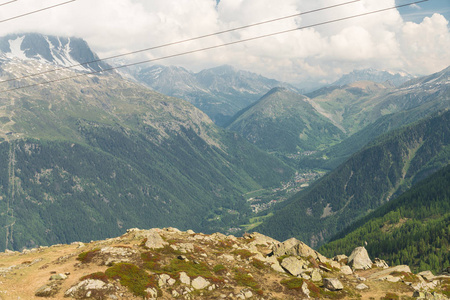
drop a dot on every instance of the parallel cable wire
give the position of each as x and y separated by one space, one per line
9 2
214 47
34 11
182 41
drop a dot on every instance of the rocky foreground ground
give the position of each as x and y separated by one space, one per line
170 264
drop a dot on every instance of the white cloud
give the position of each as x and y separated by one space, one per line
381 40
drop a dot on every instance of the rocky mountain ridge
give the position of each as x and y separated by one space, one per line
171 264
220 92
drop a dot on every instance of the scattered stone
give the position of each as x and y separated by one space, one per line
380 263
362 286
185 279
276 267
58 277
152 293
340 258
305 289
199 283
333 284
359 259
323 268
163 280
293 265
346 270
316 276
427 275
190 231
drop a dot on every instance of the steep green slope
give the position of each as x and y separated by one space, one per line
412 229
283 121
367 180
88 157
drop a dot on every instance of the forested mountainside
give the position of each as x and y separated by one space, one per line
285 122
87 157
413 229
367 180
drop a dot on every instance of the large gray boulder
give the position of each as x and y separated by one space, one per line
297 248
359 259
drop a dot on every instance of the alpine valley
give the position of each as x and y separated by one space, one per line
88 152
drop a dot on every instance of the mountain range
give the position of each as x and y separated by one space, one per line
87 157
220 92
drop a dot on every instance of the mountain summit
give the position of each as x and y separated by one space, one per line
61 51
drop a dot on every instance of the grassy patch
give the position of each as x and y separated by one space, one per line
152 260
133 277
390 296
243 253
244 279
258 264
98 276
87 256
220 269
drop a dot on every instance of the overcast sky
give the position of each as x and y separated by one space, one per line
414 39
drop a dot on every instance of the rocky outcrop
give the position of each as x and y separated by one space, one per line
189 265
90 288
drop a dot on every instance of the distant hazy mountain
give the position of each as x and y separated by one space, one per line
219 92
395 78
372 114
368 179
284 121
88 157
61 51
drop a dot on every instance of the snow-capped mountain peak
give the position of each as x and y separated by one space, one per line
60 51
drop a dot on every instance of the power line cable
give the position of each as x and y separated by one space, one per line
214 47
35 11
9 2
182 41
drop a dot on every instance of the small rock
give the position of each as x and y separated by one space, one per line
190 231
184 278
47 290
427 275
380 263
362 286
305 289
346 270
315 276
199 283
58 277
152 293
333 284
